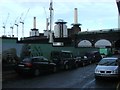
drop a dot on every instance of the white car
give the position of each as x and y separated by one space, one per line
108 67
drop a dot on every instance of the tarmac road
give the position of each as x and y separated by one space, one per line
82 77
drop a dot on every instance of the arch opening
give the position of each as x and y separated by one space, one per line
117 44
85 43
103 43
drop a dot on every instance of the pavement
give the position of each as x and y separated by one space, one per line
7 75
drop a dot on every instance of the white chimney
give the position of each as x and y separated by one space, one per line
47 24
34 24
75 16
51 37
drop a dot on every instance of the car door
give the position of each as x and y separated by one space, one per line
37 64
119 66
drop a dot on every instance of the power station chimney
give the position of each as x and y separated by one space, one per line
118 5
76 28
47 24
34 31
34 23
75 16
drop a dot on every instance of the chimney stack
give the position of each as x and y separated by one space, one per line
34 24
34 31
75 16
47 24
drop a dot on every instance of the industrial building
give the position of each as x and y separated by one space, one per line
62 38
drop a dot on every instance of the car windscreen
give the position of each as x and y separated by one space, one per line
66 55
108 62
55 55
26 60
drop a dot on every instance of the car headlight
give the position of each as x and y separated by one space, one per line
97 71
115 71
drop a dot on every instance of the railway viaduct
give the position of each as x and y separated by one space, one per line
102 38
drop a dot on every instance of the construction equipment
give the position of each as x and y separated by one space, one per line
12 26
5 23
51 18
22 22
17 21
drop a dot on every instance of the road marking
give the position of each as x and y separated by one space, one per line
88 83
118 86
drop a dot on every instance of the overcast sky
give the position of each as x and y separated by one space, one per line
92 14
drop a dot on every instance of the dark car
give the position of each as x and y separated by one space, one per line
88 58
64 59
93 56
35 65
83 60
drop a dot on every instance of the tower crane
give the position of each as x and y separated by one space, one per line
47 22
12 27
17 22
51 14
51 18
4 24
22 22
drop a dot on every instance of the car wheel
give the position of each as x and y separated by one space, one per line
36 72
76 65
90 62
83 64
96 78
66 67
54 69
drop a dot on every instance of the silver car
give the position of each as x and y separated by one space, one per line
108 67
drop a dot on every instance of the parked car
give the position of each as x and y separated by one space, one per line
94 56
64 59
83 60
88 58
108 67
35 65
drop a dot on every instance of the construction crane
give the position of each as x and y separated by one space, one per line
4 24
51 18
22 22
47 21
17 22
12 27
51 14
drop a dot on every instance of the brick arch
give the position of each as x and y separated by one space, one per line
103 43
117 44
85 43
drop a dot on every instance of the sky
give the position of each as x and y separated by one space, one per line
92 14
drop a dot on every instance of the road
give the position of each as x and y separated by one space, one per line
82 77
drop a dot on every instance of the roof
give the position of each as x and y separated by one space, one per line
111 58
